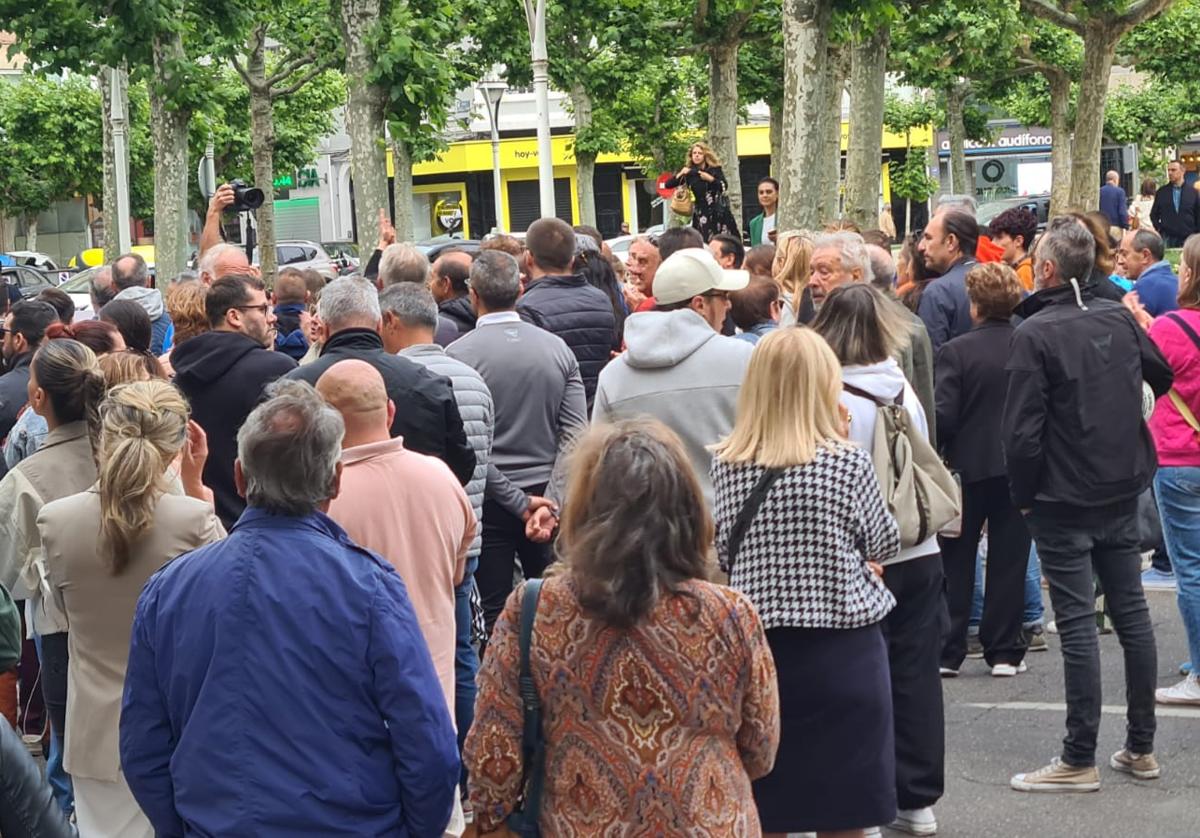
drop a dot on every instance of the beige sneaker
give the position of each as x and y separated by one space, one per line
1142 766
1058 777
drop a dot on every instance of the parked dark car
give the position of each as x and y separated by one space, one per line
1039 205
28 281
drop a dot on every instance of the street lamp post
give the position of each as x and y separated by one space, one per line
117 117
493 88
535 17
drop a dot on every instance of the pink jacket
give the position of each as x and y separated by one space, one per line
1175 440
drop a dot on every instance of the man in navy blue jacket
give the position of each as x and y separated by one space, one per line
948 248
1114 203
278 681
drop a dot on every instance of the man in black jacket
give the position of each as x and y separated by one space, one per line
563 303
24 328
426 413
1175 212
1078 455
448 282
224 373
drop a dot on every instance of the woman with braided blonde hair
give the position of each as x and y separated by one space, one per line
101 546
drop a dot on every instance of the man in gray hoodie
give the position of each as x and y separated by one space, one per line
677 366
131 278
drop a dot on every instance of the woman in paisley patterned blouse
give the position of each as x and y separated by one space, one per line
659 702
809 561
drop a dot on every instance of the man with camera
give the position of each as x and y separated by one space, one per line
217 257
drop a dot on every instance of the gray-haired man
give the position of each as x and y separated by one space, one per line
259 661
426 414
539 399
1078 455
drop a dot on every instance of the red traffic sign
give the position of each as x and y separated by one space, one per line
663 190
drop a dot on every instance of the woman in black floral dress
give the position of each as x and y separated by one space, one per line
710 209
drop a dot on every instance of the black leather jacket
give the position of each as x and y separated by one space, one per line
27 808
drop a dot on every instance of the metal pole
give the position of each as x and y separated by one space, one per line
121 163
210 171
541 90
497 191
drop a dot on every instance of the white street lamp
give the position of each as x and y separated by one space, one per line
492 87
535 17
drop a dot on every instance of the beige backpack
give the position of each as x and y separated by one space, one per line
917 487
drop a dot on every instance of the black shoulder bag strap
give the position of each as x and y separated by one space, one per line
863 394
1187 330
533 743
749 509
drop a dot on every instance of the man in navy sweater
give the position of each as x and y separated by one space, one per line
1140 259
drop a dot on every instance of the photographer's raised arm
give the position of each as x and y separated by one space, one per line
221 200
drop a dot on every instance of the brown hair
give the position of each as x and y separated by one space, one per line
100 336
752 305
507 244
185 304
1097 224
760 260
1149 187
994 289
551 244
635 524
861 325
710 157
1189 289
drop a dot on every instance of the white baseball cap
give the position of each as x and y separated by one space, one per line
692 272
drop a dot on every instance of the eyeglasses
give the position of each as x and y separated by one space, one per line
261 309
717 295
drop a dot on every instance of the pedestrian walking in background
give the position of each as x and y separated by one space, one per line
1073 359
283 659
101 546
1176 434
971 387
865 332
658 694
1114 203
704 178
802 530
1139 207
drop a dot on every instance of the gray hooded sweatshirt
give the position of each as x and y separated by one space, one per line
678 370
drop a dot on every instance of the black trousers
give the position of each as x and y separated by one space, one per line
55 660
504 543
914 631
1004 593
1074 550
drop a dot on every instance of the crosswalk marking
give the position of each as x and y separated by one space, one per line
1111 709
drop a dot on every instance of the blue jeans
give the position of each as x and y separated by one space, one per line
1035 609
60 781
1178 492
466 663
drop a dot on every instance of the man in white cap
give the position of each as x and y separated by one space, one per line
677 366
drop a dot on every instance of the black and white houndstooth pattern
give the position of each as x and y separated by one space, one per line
803 560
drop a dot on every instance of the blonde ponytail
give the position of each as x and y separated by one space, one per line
143 426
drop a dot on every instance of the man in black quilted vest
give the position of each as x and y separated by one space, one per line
563 303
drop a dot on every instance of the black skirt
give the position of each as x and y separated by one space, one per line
836 765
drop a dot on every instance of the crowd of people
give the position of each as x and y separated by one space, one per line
418 551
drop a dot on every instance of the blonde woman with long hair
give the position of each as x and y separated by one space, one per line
801 528
791 271
101 546
703 176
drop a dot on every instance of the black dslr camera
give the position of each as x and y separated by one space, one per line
245 198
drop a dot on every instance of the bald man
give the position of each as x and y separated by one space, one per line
223 260
405 506
448 282
1114 204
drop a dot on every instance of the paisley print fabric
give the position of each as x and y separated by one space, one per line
655 730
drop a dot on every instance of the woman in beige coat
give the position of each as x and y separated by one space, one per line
101 546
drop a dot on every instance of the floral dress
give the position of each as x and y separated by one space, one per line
710 209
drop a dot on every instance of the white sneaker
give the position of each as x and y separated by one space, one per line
1008 670
1186 691
873 832
916 821
947 672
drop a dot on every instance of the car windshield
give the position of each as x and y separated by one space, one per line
78 284
991 209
